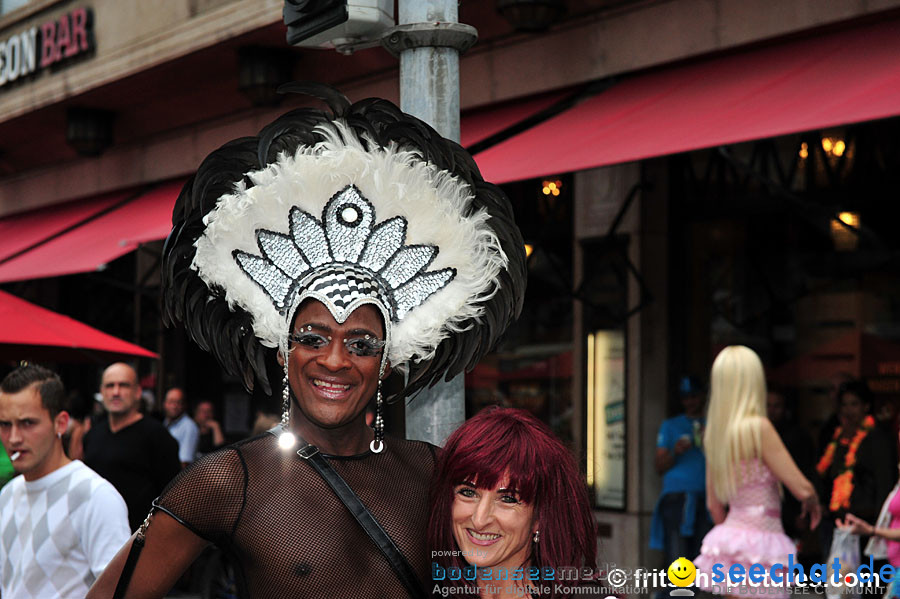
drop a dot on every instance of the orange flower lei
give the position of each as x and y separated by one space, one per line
842 487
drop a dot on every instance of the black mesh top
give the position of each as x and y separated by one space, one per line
287 532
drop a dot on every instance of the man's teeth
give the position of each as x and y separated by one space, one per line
327 385
484 536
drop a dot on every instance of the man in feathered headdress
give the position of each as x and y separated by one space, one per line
348 244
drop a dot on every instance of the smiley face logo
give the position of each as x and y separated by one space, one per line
682 572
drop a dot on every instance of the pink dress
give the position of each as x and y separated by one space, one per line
893 546
751 534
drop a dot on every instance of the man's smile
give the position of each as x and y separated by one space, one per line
328 385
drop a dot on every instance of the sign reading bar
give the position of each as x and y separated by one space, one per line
45 45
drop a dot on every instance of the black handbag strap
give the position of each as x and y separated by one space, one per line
133 554
128 569
399 564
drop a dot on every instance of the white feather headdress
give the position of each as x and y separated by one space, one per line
433 264
364 205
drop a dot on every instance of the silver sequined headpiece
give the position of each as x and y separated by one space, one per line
344 260
350 225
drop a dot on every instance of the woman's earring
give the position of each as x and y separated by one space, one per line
377 444
286 439
537 536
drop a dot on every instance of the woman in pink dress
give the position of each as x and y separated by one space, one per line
745 461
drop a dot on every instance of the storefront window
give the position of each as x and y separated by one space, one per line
532 366
606 274
788 245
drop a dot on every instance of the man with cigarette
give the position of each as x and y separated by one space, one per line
60 522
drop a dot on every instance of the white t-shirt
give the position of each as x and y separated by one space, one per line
59 532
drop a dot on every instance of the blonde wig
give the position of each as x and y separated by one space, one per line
737 403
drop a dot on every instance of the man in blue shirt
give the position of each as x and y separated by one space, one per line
181 426
680 519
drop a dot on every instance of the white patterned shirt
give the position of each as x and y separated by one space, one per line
58 533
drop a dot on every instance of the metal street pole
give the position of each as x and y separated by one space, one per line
428 40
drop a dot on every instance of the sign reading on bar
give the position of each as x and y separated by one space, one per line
41 46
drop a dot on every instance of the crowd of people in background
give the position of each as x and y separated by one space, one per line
88 477
122 457
852 470
204 432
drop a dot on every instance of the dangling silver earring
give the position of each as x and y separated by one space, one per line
286 439
537 536
377 444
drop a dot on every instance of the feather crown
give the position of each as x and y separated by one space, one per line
367 206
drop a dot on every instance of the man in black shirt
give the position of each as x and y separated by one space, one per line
136 454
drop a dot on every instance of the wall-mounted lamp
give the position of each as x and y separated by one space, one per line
834 146
531 15
845 239
551 187
261 71
89 130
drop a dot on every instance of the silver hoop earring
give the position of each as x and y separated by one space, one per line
286 439
537 536
377 444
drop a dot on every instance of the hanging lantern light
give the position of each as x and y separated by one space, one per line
531 15
89 130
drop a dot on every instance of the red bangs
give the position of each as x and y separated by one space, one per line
490 450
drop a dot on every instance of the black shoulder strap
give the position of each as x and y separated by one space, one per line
373 528
131 561
399 564
128 570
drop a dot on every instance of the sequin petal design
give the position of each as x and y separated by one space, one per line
343 259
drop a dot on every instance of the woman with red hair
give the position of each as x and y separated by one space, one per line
509 511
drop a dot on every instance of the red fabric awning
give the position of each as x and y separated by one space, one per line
479 124
828 80
22 231
100 240
28 331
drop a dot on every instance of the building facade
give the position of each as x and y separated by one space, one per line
639 272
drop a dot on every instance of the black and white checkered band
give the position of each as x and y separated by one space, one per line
343 288
344 259
343 285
